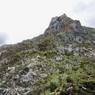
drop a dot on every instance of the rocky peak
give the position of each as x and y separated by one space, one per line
64 24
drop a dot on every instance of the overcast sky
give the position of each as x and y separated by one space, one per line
25 19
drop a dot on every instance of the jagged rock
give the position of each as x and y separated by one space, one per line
64 24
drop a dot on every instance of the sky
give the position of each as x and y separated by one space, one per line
25 19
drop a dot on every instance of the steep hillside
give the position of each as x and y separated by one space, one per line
59 62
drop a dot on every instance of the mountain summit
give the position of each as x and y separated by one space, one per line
59 62
64 24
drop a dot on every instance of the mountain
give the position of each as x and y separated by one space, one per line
59 62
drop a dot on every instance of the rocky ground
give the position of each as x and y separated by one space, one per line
59 62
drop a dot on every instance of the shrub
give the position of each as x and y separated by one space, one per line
46 44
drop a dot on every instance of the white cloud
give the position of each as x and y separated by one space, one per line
3 38
24 19
85 10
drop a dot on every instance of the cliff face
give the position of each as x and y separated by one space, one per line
64 24
59 62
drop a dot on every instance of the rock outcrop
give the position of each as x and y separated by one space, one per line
64 24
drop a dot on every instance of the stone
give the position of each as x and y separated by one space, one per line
63 24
